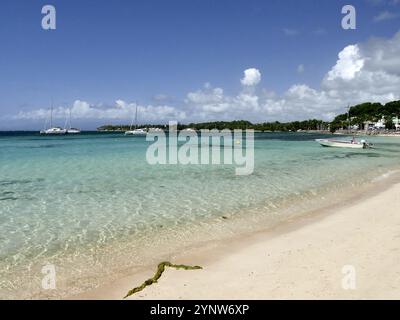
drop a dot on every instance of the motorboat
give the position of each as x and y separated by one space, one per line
352 144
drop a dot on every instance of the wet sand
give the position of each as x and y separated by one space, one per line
348 251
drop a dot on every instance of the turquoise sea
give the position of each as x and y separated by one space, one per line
95 209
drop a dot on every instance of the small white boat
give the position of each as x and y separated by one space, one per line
352 144
71 130
54 131
136 132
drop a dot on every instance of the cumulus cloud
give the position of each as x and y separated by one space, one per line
212 103
121 110
251 77
348 65
367 71
211 100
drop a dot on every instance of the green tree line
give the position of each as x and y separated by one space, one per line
358 115
232 125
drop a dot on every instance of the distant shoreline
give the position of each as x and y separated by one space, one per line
340 132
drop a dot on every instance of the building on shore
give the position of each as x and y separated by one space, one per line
396 122
381 124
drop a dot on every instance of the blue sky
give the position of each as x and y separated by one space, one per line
158 52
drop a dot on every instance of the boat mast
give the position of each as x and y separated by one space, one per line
348 119
134 120
131 126
136 117
51 114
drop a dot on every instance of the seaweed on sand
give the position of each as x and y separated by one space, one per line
160 271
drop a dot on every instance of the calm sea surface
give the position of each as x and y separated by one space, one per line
94 208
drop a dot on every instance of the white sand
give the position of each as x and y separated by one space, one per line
300 260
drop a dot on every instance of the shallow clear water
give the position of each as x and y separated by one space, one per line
93 206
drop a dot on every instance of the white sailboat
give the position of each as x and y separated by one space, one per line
136 131
71 130
52 130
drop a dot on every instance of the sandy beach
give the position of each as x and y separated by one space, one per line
310 258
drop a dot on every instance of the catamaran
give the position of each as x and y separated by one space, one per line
52 130
136 131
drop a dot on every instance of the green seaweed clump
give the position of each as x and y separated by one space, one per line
160 271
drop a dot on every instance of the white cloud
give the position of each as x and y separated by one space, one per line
121 110
251 77
349 63
211 103
385 15
208 100
366 71
290 32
